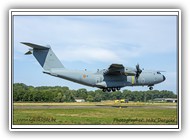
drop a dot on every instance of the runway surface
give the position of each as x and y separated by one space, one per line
84 106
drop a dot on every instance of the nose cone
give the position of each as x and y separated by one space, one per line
164 78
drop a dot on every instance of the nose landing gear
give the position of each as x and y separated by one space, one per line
150 88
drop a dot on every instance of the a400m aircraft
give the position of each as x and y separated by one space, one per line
111 79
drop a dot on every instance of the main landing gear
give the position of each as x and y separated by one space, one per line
110 89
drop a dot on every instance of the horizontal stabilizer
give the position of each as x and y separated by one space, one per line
28 53
35 46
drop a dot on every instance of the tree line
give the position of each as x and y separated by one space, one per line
24 93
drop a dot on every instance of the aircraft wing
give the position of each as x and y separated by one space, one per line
115 69
119 69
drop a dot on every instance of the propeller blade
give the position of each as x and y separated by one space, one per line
138 71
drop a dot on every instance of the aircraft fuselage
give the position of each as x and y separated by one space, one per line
98 79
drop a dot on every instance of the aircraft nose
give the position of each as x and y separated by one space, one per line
164 78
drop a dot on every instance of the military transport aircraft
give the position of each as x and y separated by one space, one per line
111 79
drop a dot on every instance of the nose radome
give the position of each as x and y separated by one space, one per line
164 78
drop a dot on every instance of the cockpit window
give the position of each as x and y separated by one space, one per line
158 73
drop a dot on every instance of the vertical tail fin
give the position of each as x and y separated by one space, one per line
45 56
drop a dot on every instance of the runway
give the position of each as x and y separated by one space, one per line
86 106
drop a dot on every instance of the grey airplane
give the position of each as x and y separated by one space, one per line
114 78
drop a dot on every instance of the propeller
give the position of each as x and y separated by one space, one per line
138 71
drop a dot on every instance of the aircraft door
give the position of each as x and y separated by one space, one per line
97 79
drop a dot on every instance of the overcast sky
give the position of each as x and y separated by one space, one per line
95 42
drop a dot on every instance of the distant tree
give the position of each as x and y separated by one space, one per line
90 98
81 93
24 93
58 98
19 90
98 96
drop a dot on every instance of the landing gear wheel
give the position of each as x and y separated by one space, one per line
150 88
104 90
108 89
118 88
113 89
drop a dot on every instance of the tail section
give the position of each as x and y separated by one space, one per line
44 55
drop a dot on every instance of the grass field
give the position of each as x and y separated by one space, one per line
95 116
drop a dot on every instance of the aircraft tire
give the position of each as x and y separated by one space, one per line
104 89
118 88
108 89
113 89
150 88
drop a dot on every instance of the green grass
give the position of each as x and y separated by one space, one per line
95 116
